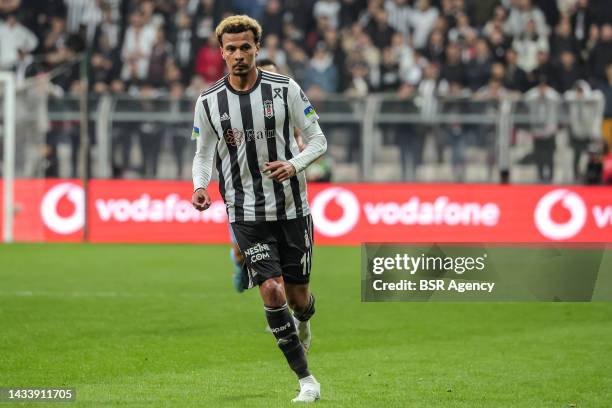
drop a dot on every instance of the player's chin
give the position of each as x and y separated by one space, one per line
239 71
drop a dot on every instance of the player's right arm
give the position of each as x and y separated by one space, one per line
201 170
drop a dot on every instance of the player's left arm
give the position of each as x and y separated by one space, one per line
305 118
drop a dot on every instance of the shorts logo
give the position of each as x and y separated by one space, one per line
258 252
234 137
268 109
309 112
306 238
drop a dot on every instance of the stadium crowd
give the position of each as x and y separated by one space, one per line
551 48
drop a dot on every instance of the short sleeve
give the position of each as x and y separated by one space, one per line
303 113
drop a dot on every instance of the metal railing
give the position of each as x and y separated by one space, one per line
368 137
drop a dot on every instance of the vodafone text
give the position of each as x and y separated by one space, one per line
441 211
169 209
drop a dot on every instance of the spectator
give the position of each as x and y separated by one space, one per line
358 85
149 15
56 37
562 40
587 50
422 21
84 17
297 60
272 19
150 134
253 8
409 70
137 46
498 44
379 31
487 104
602 53
515 78
109 27
434 51
545 69
453 69
182 40
104 65
300 14
209 63
453 134
498 72
398 12
161 52
486 8
349 11
183 7
8 7
389 71
462 30
179 133
543 102
321 71
478 69
527 46
522 14
14 37
332 42
498 22
568 72
371 55
206 15
274 52
329 9
586 108
582 18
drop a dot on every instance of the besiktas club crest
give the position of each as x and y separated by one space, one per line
268 109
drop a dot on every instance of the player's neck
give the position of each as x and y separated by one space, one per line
244 82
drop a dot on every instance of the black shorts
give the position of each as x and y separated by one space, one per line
276 248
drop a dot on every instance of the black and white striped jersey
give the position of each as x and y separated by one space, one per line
243 130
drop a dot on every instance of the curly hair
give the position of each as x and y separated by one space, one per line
238 24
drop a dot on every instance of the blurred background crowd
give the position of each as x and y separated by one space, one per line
544 50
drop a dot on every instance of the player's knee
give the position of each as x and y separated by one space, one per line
305 311
298 303
273 293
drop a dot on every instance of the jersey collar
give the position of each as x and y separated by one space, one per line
246 92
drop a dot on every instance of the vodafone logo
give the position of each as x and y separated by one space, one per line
350 211
552 229
49 208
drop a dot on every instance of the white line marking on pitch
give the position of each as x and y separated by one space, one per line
42 293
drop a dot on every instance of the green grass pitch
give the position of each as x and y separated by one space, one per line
159 326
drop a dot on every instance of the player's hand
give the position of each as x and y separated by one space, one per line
200 199
279 170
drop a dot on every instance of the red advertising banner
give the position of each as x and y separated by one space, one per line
161 211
